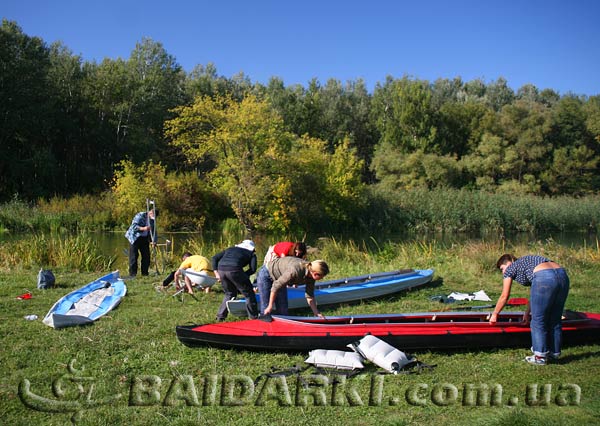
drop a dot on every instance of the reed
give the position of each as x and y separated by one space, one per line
448 210
65 252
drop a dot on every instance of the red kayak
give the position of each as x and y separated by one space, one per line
414 331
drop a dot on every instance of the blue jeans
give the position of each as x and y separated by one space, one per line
264 282
549 291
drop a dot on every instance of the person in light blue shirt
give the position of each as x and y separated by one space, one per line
140 234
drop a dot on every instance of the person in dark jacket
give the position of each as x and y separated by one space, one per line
228 266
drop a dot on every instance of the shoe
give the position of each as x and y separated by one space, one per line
551 356
219 319
536 360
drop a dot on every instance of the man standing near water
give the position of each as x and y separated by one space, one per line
140 233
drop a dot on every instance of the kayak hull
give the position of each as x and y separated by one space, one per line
417 331
346 290
88 303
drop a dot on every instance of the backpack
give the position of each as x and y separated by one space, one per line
45 279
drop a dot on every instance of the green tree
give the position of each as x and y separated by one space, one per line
84 162
245 141
575 161
158 86
592 122
446 91
184 201
487 163
26 159
498 94
404 115
526 127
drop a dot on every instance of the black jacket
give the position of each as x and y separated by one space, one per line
233 259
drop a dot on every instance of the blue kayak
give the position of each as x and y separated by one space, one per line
87 304
348 289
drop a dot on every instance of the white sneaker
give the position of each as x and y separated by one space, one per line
551 356
536 360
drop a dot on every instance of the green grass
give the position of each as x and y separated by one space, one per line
134 345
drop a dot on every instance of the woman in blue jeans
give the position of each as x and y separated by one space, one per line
549 289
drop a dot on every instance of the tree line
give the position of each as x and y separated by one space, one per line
274 152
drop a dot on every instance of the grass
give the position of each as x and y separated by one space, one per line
133 351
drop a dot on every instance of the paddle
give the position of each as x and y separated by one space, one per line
515 301
152 230
181 292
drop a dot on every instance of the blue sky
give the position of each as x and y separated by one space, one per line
551 44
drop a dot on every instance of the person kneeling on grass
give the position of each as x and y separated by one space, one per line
196 272
294 270
549 290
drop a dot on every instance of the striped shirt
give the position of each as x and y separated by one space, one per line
521 270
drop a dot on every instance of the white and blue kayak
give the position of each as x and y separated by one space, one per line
350 289
87 304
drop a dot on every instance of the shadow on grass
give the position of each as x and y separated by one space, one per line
571 358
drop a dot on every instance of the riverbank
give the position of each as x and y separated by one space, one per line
133 359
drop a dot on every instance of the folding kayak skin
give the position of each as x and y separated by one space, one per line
410 331
349 289
88 303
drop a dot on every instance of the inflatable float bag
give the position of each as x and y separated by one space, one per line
340 360
381 353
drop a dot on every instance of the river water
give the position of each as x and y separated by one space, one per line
115 243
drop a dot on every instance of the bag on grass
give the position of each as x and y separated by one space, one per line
381 353
341 360
45 279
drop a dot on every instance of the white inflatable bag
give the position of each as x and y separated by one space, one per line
381 353
329 358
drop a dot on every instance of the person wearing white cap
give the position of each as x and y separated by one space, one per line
228 266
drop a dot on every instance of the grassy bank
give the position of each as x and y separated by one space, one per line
133 353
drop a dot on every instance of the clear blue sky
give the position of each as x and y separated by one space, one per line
549 43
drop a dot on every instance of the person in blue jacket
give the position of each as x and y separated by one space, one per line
140 233
228 267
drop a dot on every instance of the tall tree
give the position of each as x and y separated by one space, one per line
158 86
498 94
575 162
25 105
245 140
405 116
